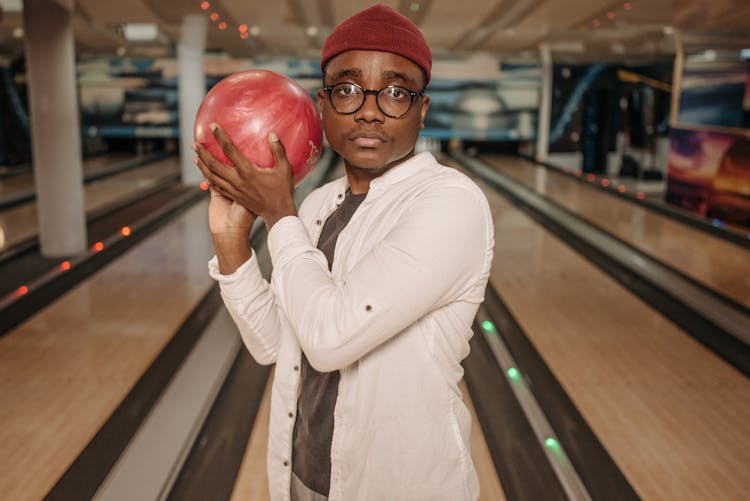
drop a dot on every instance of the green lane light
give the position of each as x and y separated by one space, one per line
513 373
488 326
414 6
552 443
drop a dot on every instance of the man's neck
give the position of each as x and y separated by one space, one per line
360 178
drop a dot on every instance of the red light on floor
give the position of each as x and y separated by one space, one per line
22 290
204 185
205 5
244 35
605 182
640 195
611 16
242 28
627 6
222 25
596 23
214 16
578 173
98 246
591 178
125 231
65 265
621 188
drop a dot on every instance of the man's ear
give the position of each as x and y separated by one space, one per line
424 107
321 99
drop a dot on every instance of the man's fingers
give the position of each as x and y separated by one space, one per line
228 146
216 182
279 153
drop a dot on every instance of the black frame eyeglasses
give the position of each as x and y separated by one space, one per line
393 101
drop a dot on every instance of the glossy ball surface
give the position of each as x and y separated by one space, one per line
250 104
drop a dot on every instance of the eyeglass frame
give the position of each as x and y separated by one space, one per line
376 93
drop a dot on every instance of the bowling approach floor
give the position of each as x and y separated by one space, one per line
671 414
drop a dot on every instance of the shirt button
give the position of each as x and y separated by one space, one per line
368 308
291 414
286 463
318 222
296 367
341 196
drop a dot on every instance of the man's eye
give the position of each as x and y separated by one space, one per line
346 90
397 93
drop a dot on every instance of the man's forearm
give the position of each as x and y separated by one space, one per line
231 251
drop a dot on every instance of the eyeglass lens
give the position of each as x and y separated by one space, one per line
393 101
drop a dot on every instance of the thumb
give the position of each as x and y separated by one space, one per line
279 156
277 149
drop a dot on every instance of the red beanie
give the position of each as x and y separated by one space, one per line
382 29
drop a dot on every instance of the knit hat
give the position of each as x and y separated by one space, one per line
382 29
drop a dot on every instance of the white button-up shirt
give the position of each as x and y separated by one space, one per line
393 316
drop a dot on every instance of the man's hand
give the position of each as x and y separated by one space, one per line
262 191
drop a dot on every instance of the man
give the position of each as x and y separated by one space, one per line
375 285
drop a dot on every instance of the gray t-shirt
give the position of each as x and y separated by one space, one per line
313 428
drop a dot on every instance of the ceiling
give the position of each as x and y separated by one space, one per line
574 30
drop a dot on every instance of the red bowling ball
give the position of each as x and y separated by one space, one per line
250 104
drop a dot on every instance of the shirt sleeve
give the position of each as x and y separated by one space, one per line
250 301
435 253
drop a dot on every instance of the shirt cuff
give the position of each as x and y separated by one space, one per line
243 281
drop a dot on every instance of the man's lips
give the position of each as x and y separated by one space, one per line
367 139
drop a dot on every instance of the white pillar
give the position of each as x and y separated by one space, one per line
55 128
545 104
192 88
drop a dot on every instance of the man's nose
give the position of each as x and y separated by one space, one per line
370 111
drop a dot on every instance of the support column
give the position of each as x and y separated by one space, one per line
55 128
545 104
192 88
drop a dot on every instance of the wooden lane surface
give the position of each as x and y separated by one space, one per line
717 263
252 481
20 223
65 370
24 180
673 416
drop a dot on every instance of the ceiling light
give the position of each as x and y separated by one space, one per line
205 5
8 6
141 32
214 16
17 32
311 31
667 30
121 51
255 30
222 25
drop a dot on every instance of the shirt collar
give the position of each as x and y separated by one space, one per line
402 171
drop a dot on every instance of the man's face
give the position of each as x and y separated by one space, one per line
369 139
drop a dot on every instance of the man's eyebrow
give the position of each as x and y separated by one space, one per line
397 75
349 72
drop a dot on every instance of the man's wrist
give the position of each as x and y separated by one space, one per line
231 251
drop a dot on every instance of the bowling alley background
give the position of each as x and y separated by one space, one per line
689 137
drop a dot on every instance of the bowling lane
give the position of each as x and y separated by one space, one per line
715 262
672 415
252 481
64 371
20 223
23 181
